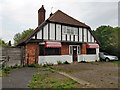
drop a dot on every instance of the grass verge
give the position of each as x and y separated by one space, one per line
52 80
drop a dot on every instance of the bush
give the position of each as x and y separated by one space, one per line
66 62
32 65
82 62
59 62
6 69
47 64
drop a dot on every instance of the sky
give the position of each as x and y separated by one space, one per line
19 15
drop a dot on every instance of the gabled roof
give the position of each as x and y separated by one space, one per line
58 17
61 17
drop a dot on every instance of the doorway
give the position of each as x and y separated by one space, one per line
74 53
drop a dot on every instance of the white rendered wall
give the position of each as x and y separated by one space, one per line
58 32
92 39
53 59
39 35
88 58
89 34
45 32
52 31
80 34
85 35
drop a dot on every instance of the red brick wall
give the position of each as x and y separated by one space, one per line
83 51
30 48
65 49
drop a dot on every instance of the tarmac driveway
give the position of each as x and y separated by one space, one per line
19 78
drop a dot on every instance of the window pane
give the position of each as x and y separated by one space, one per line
52 51
78 49
91 50
70 50
64 30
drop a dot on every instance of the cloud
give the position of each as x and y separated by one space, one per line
19 15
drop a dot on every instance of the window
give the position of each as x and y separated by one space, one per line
52 51
64 29
41 50
69 30
78 49
70 50
91 50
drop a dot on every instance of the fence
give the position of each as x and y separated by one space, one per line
14 55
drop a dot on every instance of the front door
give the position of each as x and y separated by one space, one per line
74 53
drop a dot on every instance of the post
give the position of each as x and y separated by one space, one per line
27 58
35 55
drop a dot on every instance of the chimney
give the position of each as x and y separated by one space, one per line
51 14
41 15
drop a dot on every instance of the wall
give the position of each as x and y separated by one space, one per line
65 49
70 37
87 58
31 49
15 55
54 59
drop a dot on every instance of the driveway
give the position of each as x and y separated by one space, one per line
19 78
101 74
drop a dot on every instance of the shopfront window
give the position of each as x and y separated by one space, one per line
52 51
91 50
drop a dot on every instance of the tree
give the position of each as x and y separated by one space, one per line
108 37
2 43
20 36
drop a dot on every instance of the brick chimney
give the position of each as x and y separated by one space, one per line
41 15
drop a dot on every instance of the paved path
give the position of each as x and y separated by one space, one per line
19 78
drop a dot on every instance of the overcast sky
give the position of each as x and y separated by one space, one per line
19 15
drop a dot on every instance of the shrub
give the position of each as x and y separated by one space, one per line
32 65
47 64
59 62
83 62
6 69
66 62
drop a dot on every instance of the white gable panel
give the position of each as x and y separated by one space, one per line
58 32
92 39
68 37
89 34
80 34
33 37
52 31
76 38
39 35
85 35
46 32
63 37
71 37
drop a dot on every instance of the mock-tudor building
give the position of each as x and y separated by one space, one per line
60 38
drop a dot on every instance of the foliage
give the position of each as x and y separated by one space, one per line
2 43
20 36
83 62
6 69
66 62
47 64
32 65
108 37
59 62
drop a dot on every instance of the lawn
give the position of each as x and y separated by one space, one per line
45 78
0 73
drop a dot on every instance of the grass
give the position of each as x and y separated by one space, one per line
0 73
116 62
52 80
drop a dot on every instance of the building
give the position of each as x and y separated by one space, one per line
60 38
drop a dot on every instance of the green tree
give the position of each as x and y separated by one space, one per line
2 43
20 36
108 37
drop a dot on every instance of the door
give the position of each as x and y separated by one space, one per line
74 53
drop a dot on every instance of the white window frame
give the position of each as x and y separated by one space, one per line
72 49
